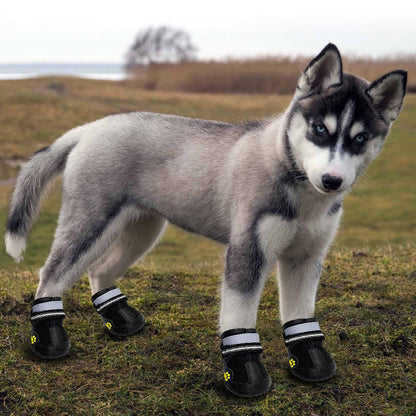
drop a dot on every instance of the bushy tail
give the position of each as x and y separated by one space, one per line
43 166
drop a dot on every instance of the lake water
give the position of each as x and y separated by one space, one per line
106 71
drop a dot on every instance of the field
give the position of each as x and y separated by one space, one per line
366 302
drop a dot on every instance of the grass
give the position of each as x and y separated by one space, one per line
366 306
366 302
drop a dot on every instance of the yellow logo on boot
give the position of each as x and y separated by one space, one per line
292 363
227 376
33 339
108 325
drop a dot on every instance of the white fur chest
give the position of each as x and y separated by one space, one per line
304 235
313 232
275 235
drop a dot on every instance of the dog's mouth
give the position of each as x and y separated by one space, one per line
324 191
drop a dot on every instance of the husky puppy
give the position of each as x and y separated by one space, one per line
271 191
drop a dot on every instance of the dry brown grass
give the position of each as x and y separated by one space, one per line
34 112
266 75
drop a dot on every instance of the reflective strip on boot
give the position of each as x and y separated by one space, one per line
48 307
302 330
236 343
107 297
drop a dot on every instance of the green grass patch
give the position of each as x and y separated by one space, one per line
366 305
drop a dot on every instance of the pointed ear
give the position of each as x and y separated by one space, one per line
387 94
323 72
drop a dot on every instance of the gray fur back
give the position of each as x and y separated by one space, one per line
167 164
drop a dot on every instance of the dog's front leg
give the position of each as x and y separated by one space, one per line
298 283
245 273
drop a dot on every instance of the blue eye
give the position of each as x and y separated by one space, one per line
319 129
360 138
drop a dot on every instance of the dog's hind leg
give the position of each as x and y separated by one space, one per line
81 238
135 240
138 237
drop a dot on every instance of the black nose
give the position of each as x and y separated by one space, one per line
331 183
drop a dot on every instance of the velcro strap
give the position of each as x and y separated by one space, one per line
110 302
246 342
47 306
302 328
303 331
247 338
107 296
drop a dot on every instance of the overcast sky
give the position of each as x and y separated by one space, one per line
102 30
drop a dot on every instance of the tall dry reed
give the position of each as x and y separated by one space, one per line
263 75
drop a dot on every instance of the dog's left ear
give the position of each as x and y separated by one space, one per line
387 94
323 72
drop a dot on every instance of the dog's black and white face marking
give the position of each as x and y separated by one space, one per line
337 127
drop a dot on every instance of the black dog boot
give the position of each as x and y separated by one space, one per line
48 337
308 360
244 374
119 318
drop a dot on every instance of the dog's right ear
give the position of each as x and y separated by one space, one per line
323 72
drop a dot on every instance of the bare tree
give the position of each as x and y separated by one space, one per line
160 45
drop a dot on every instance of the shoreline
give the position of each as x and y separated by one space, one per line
92 76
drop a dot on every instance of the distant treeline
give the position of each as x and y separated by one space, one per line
255 76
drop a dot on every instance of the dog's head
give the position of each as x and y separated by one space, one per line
337 122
